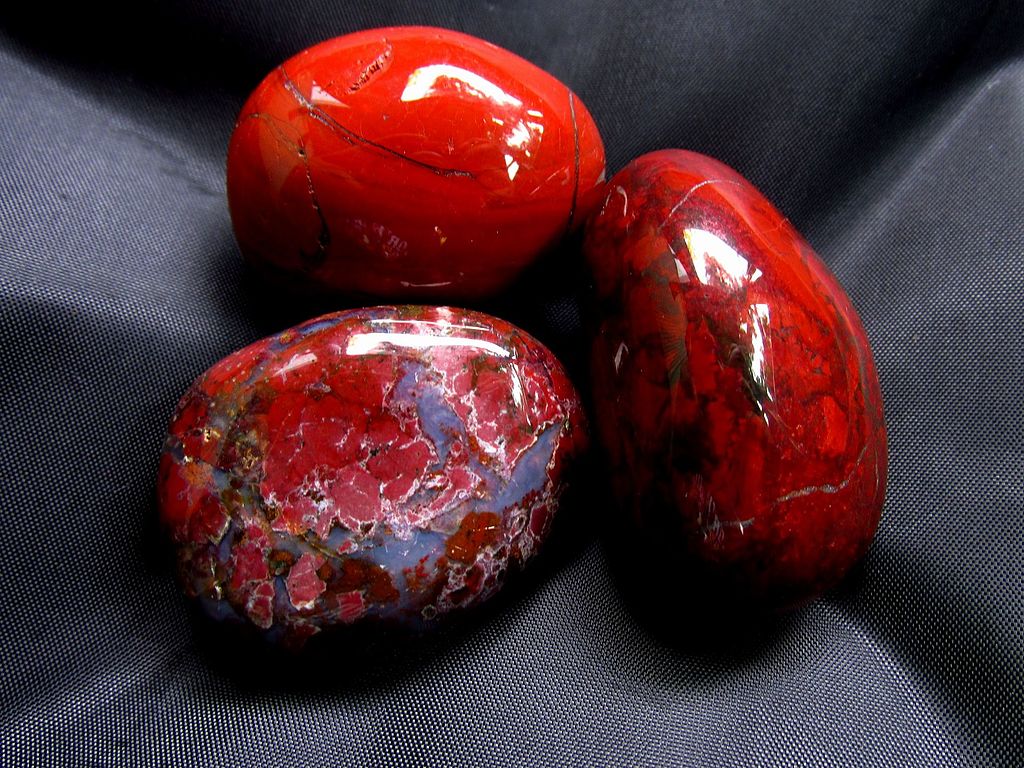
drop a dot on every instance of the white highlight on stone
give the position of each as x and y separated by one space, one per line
370 343
426 81
297 361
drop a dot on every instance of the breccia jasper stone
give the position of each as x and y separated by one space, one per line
735 391
389 464
409 162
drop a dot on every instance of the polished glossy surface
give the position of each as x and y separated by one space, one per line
735 391
409 162
386 464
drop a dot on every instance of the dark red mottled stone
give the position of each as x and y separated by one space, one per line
385 464
735 391
409 162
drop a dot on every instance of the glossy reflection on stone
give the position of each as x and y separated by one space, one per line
735 391
388 464
409 162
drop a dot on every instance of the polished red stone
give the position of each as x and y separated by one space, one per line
378 465
409 162
735 391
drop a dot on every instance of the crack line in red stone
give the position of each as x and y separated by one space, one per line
272 123
351 136
825 487
689 194
324 238
576 161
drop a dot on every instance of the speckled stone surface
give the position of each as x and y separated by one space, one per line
388 464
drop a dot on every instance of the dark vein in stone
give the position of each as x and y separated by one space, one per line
324 238
352 137
575 160
274 124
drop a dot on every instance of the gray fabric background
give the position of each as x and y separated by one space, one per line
892 134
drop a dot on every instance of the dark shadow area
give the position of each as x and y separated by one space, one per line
684 610
271 302
545 301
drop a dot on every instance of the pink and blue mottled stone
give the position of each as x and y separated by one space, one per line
377 465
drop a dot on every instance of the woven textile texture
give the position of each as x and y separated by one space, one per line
891 134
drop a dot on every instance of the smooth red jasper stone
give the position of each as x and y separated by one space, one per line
409 162
377 465
735 391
